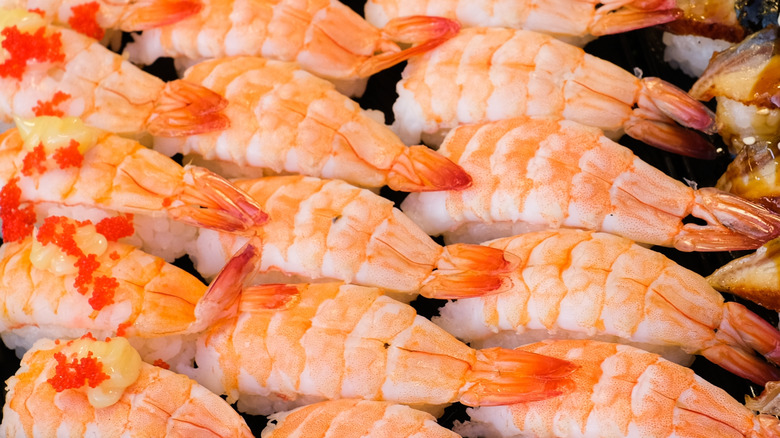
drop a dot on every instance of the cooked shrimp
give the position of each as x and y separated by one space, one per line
296 344
101 388
532 174
487 74
93 17
328 229
50 163
74 278
350 418
575 21
284 120
48 70
575 283
622 391
325 37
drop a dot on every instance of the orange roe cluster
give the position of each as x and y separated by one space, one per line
84 20
77 372
117 227
26 47
38 11
49 108
60 231
162 364
18 221
68 156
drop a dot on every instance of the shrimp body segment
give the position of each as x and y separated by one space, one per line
285 120
353 418
328 229
576 283
325 37
119 175
296 344
485 74
532 174
157 402
79 77
92 17
622 391
574 21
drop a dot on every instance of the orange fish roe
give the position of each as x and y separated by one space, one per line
87 266
38 11
77 372
114 255
17 222
88 335
34 161
49 108
84 20
121 329
117 227
103 292
162 364
69 156
59 230
25 47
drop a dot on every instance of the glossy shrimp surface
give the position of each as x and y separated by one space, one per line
524 73
623 391
290 345
72 74
285 120
109 174
575 21
328 229
147 401
574 284
532 174
352 418
325 37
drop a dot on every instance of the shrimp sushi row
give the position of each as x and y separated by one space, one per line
534 173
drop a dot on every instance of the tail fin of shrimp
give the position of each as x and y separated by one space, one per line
618 17
213 202
423 32
501 376
755 277
187 109
147 14
660 105
465 270
733 223
420 168
742 332
226 288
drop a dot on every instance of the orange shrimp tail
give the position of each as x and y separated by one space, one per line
225 290
147 14
266 297
213 202
742 364
421 169
501 376
733 223
660 107
423 32
635 15
754 331
187 109
465 271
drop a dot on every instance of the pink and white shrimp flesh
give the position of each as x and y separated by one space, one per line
73 278
55 71
62 167
622 391
485 74
94 17
285 120
289 345
324 37
584 284
328 229
574 21
533 174
87 387
354 418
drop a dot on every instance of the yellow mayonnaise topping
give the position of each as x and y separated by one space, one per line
56 132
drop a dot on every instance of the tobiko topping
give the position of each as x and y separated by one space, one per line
84 20
69 156
25 47
18 222
77 372
34 161
162 364
103 292
49 108
117 227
